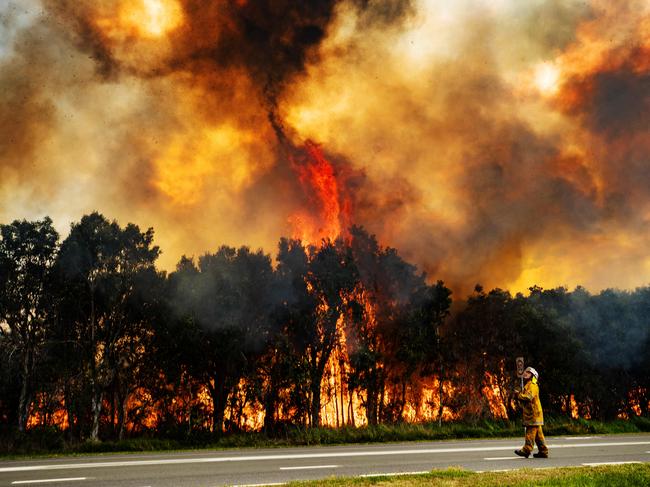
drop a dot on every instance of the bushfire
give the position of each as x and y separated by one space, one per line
476 142
420 396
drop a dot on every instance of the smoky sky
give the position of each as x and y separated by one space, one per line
444 138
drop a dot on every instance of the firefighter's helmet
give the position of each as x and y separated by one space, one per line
532 371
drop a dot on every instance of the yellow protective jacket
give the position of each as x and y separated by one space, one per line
529 400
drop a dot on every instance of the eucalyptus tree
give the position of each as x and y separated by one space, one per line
27 255
331 279
225 303
392 333
101 268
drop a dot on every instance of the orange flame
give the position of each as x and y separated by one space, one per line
492 392
38 415
574 407
330 212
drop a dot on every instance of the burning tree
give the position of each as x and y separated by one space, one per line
396 316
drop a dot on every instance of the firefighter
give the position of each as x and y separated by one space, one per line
533 416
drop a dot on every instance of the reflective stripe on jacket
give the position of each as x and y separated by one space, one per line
529 400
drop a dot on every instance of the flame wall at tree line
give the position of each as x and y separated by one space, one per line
339 408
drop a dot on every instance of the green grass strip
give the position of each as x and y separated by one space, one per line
609 475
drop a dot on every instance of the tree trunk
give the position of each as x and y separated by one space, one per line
96 407
315 401
351 420
440 398
381 396
24 399
270 401
219 396
317 371
96 400
371 404
67 401
121 413
114 405
23 406
402 405
342 379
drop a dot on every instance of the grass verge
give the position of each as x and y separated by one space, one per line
48 441
610 475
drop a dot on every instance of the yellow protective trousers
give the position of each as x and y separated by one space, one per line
535 435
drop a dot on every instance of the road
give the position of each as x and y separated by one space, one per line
279 465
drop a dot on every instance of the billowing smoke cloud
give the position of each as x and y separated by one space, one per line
499 181
495 142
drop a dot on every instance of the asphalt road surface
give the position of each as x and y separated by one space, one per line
280 465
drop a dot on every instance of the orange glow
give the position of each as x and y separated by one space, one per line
329 214
339 406
143 18
188 162
574 407
634 398
242 413
601 47
141 400
36 417
157 17
492 392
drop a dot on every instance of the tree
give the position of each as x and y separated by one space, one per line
331 277
100 266
485 336
299 306
394 320
418 335
320 281
27 255
226 303
283 368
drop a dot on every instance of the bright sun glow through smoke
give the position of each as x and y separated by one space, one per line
154 18
547 76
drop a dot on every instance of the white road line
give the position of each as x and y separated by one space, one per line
504 458
579 438
596 464
43 481
368 475
296 456
307 467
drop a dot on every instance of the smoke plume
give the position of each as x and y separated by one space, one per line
505 142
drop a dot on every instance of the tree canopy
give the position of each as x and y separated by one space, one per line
97 341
